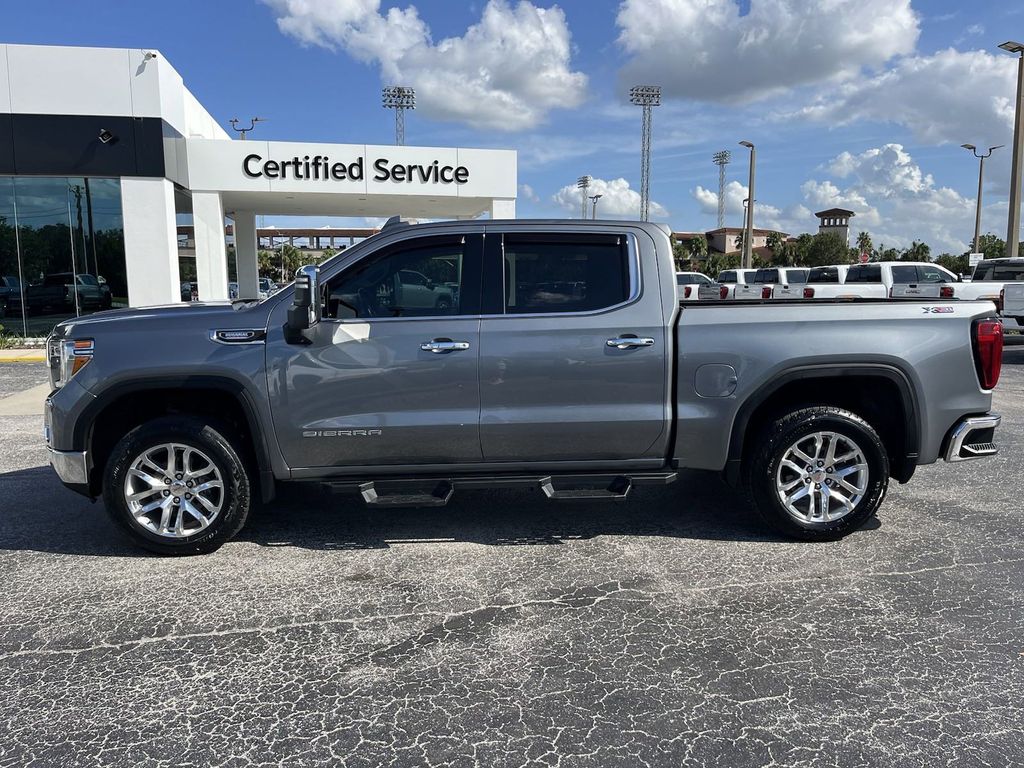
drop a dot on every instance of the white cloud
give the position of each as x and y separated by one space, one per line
617 200
528 193
951 96
895 200
505 73
707 50
793 219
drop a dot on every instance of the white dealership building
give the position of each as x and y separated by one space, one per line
95 140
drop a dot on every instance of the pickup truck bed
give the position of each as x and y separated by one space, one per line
565 360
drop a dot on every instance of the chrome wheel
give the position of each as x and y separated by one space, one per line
174 490
822 477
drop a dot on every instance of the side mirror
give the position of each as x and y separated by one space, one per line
304 313
430 284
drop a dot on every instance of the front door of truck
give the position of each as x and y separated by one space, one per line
573 349
390 375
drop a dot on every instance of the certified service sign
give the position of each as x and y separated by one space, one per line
324 168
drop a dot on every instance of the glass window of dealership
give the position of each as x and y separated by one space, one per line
61 250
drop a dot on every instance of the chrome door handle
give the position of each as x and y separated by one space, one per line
627 342
440 346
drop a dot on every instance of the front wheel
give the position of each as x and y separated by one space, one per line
177 486
817 474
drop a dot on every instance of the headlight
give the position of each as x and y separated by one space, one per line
67 357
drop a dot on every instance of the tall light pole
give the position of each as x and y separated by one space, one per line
1013 225
721 159
583 184
981 175
645 96
398 98
748 237
593 210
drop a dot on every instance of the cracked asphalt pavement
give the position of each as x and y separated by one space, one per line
505 630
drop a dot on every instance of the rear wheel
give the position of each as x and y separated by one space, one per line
177 486
818 474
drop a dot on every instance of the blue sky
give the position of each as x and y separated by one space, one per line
858 103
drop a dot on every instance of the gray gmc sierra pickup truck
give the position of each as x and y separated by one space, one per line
555 353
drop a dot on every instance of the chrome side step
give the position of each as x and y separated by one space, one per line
572 489
405 495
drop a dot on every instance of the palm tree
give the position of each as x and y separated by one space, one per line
864 244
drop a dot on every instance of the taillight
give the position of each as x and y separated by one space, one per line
988 351
723 292
686 291
808 293
946 292
766 292
1001 302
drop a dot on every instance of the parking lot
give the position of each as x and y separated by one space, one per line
504 630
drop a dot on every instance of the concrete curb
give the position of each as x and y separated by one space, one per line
22 356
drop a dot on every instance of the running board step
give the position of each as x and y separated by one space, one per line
408 496
573 489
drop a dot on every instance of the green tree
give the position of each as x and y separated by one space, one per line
698 247
916 252
864 244
680 256
801 249
958 264
716 262
827 248
992 246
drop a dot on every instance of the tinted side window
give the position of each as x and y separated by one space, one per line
1008 273
727 277
904 275
796 275
853 275
421 280
823 275
871 273
565 275
766 276
929 274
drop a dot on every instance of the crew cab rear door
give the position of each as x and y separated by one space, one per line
390 374
572 347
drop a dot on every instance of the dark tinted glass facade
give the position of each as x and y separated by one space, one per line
61 250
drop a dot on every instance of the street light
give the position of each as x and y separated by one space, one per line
583 184
1013 224
748 238
981 173
593 210
398 98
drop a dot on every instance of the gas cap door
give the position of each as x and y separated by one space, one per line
715 380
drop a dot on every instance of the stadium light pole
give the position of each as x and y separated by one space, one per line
1013 223
748 237
721 159
645 96
399 98
981 175
583 184
593 210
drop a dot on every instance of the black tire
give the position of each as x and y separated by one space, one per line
443 304
773 444
212 442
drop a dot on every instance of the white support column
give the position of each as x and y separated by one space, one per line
150 241
211 251
503 209
246 264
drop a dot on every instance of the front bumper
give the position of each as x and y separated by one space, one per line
72 467
973 438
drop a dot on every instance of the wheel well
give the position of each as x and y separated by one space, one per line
877 399
132 409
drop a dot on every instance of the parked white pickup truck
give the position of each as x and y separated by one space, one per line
774 283
725 286
990 276
689 283
886 279
1012 303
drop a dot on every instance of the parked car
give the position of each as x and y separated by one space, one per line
601 380
689 284
724 286
1011 301
190 291
990 275
787 281
56 293
10 294
266 287
884 279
